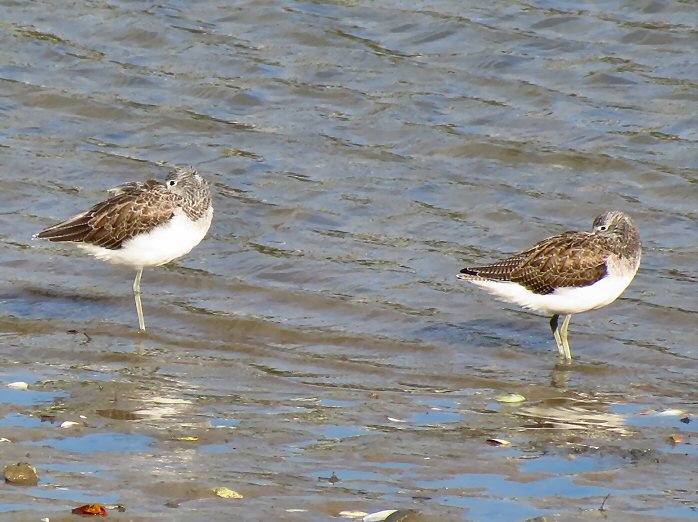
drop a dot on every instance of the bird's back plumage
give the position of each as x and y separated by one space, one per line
133 209
143 223
572 259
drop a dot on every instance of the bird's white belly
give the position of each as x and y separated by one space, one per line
159 246
568 300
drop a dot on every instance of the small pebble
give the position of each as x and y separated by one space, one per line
226 493
21 474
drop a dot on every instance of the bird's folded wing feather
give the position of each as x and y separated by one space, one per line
135 209
134 187
571 259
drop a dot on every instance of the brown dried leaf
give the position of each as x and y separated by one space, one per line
91 509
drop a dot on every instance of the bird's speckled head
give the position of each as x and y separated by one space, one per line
618 226
186 182
192 188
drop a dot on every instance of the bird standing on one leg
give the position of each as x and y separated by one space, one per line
142 224
567 274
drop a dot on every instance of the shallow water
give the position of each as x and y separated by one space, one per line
361 153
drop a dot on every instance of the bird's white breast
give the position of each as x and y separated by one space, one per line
161 245
567 300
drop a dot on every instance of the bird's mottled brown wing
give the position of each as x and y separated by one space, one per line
135 208
572 259
134 187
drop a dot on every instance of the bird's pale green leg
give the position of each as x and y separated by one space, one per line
137 296
556 333
563 337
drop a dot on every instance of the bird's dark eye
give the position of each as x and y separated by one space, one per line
603 228
171 183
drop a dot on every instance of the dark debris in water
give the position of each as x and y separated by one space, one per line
78 332
117 414
332 479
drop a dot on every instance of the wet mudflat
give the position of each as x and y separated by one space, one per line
316 353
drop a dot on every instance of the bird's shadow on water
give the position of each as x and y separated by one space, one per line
83 310
522 334
58 302
576 375
507 338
